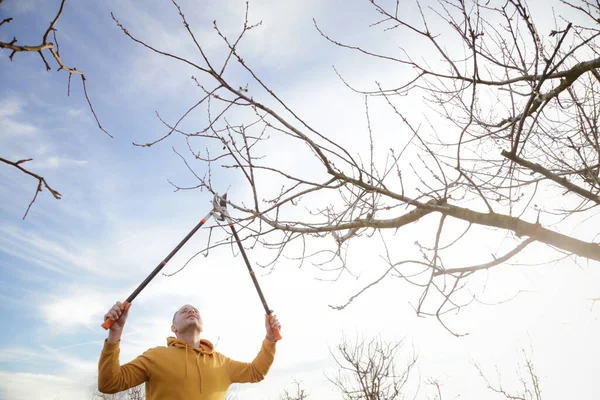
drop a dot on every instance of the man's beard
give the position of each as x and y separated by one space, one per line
191 323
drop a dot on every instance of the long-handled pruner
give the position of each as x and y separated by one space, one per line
220 208
108 322
220 211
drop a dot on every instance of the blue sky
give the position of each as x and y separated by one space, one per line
62 267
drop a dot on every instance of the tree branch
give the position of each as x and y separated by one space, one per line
41 181
490 264
552 176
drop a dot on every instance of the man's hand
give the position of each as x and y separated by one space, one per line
271 323
117 313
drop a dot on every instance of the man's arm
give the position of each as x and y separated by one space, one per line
240 372
112 377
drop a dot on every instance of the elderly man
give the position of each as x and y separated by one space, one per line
187 368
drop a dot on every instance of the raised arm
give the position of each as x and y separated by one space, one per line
255 371
113 377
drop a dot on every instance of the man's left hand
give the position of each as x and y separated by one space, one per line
271 323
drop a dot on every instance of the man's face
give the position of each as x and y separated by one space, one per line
186 318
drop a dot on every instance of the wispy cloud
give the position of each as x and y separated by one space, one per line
22 137
72 377
9 107
27 386
79 309
44 252
21 6
13 121
57 162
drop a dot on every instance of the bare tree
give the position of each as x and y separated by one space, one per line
134 393
50 46
528 379
438 389
104 396
367 370
506 138
137 393
297 394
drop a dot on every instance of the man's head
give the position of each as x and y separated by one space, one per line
186 319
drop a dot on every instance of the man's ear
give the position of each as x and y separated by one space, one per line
173 329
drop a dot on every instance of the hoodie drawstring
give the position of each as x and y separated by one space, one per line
199 370
186 366
197 365
205 349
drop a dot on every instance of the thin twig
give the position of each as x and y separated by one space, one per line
41 181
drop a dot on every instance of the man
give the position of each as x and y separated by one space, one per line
188 368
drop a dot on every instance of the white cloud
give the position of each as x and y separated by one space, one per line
80 308
75 112
57 162
71 378
21 138
45 252
274 44
26 6
13 120
277 40
10 107
27 386
9 355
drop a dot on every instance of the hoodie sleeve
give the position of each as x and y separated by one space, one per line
113 377
240 372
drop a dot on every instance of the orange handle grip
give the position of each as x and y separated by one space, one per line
108 322
275 330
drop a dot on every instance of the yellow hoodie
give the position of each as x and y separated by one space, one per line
180 371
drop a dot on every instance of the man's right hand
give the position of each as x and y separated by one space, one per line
117 313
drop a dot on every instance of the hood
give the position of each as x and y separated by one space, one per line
206 347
